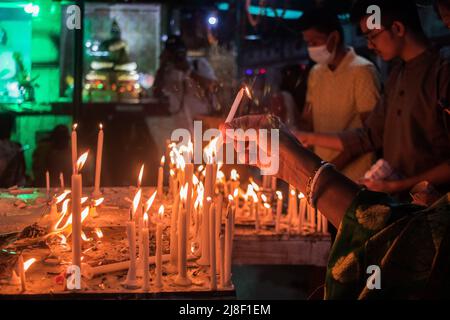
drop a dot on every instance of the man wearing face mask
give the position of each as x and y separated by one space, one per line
343 88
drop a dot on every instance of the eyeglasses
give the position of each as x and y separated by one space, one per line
370 36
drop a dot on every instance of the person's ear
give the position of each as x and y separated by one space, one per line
333 41
398 29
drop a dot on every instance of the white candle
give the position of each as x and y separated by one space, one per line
212 247
218 206
189 168
161 178
221 260
279 211
301 212
76 219
131 281
173 234
47 183
159 232
74 148
182 278
98 162
145 254
228 243
204 260
23 279
235 106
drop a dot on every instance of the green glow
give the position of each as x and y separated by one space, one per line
268 12
224 6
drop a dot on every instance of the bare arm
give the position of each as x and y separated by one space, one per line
325 140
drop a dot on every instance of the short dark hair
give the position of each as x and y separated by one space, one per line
403 11
324 20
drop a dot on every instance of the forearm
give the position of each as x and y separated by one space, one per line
334 192
438 175
324 140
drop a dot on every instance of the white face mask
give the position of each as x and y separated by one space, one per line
320 54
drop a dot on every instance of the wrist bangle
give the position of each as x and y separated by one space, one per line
314 179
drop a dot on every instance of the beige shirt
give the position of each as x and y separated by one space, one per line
338 98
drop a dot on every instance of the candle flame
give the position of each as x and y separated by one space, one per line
99 233
263 198
208 199
141 173
64 208
27 264
83 236
280 195
247 91
150 201
200 168
183 192
220 176
267 206
137 200
255 186
74 127
230 197
172 172
161 211
195 180
84 214
82 160
62 196
234 175
301 196
83 200
293 192
100 126
146 220
211 150
63 239
163 160
98 202
236 193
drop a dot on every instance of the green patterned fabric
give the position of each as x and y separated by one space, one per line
403 240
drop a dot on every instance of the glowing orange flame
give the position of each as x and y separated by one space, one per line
83 200
195 180
27 264
220 176
230 197
301 196
82 160
63 239
145 220
62 196
267 206
208 199
280 195
255 186
247 91
74 127
293 192
236 193
211 150
149 203
163 160
172 173
200 168
161 211
263 198
98 202
137 200
141 173
100 126
99 233
83 236
63 213
234 175
183 192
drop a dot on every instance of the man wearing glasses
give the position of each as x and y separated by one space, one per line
408 125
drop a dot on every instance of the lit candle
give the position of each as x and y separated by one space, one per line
256 210
74 148
159 231
98 162
182 278
218 206
47 183
145 254
279 209
229 226
76 211
131 281
268 211
236 103
212 247
236 200
324 225
189 173
301 212
161 177
23 267
204 260
221 260
173 234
